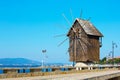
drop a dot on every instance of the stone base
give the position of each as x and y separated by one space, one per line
81 65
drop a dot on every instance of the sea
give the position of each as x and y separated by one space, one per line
28 66
17 66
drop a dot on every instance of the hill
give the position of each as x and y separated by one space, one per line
17 61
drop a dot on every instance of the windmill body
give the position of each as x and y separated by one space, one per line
84 42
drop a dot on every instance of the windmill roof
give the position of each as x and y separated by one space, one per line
89 28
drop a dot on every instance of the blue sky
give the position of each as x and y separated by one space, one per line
29 26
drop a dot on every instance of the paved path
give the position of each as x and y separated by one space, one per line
73 76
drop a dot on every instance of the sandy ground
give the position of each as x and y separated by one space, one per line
73 76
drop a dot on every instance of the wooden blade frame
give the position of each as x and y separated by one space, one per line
62 42
60 35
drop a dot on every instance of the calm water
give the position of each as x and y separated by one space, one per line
23 68
19 66
26 68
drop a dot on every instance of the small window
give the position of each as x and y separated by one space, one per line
100 41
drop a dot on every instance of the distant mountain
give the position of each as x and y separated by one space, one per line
23 62
18 61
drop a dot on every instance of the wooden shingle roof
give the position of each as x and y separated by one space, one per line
88 27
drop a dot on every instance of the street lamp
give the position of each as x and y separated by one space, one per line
43 51
114 45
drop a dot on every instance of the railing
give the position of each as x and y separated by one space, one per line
21 72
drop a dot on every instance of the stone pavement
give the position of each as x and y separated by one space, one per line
72 76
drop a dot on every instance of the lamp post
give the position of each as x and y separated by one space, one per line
113 46
43 51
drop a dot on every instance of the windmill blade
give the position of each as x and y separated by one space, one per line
62 42
85 41
81 46
60 35
74 30
82 25
79 37
67 51
71 14
63 27
66 19
71 46
81 14
86 21
84 51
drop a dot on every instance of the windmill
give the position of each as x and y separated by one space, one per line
84 41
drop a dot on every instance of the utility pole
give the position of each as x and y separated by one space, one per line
113 46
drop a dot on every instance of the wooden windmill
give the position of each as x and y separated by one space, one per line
84 42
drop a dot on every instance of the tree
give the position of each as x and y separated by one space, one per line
103 61
110 61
